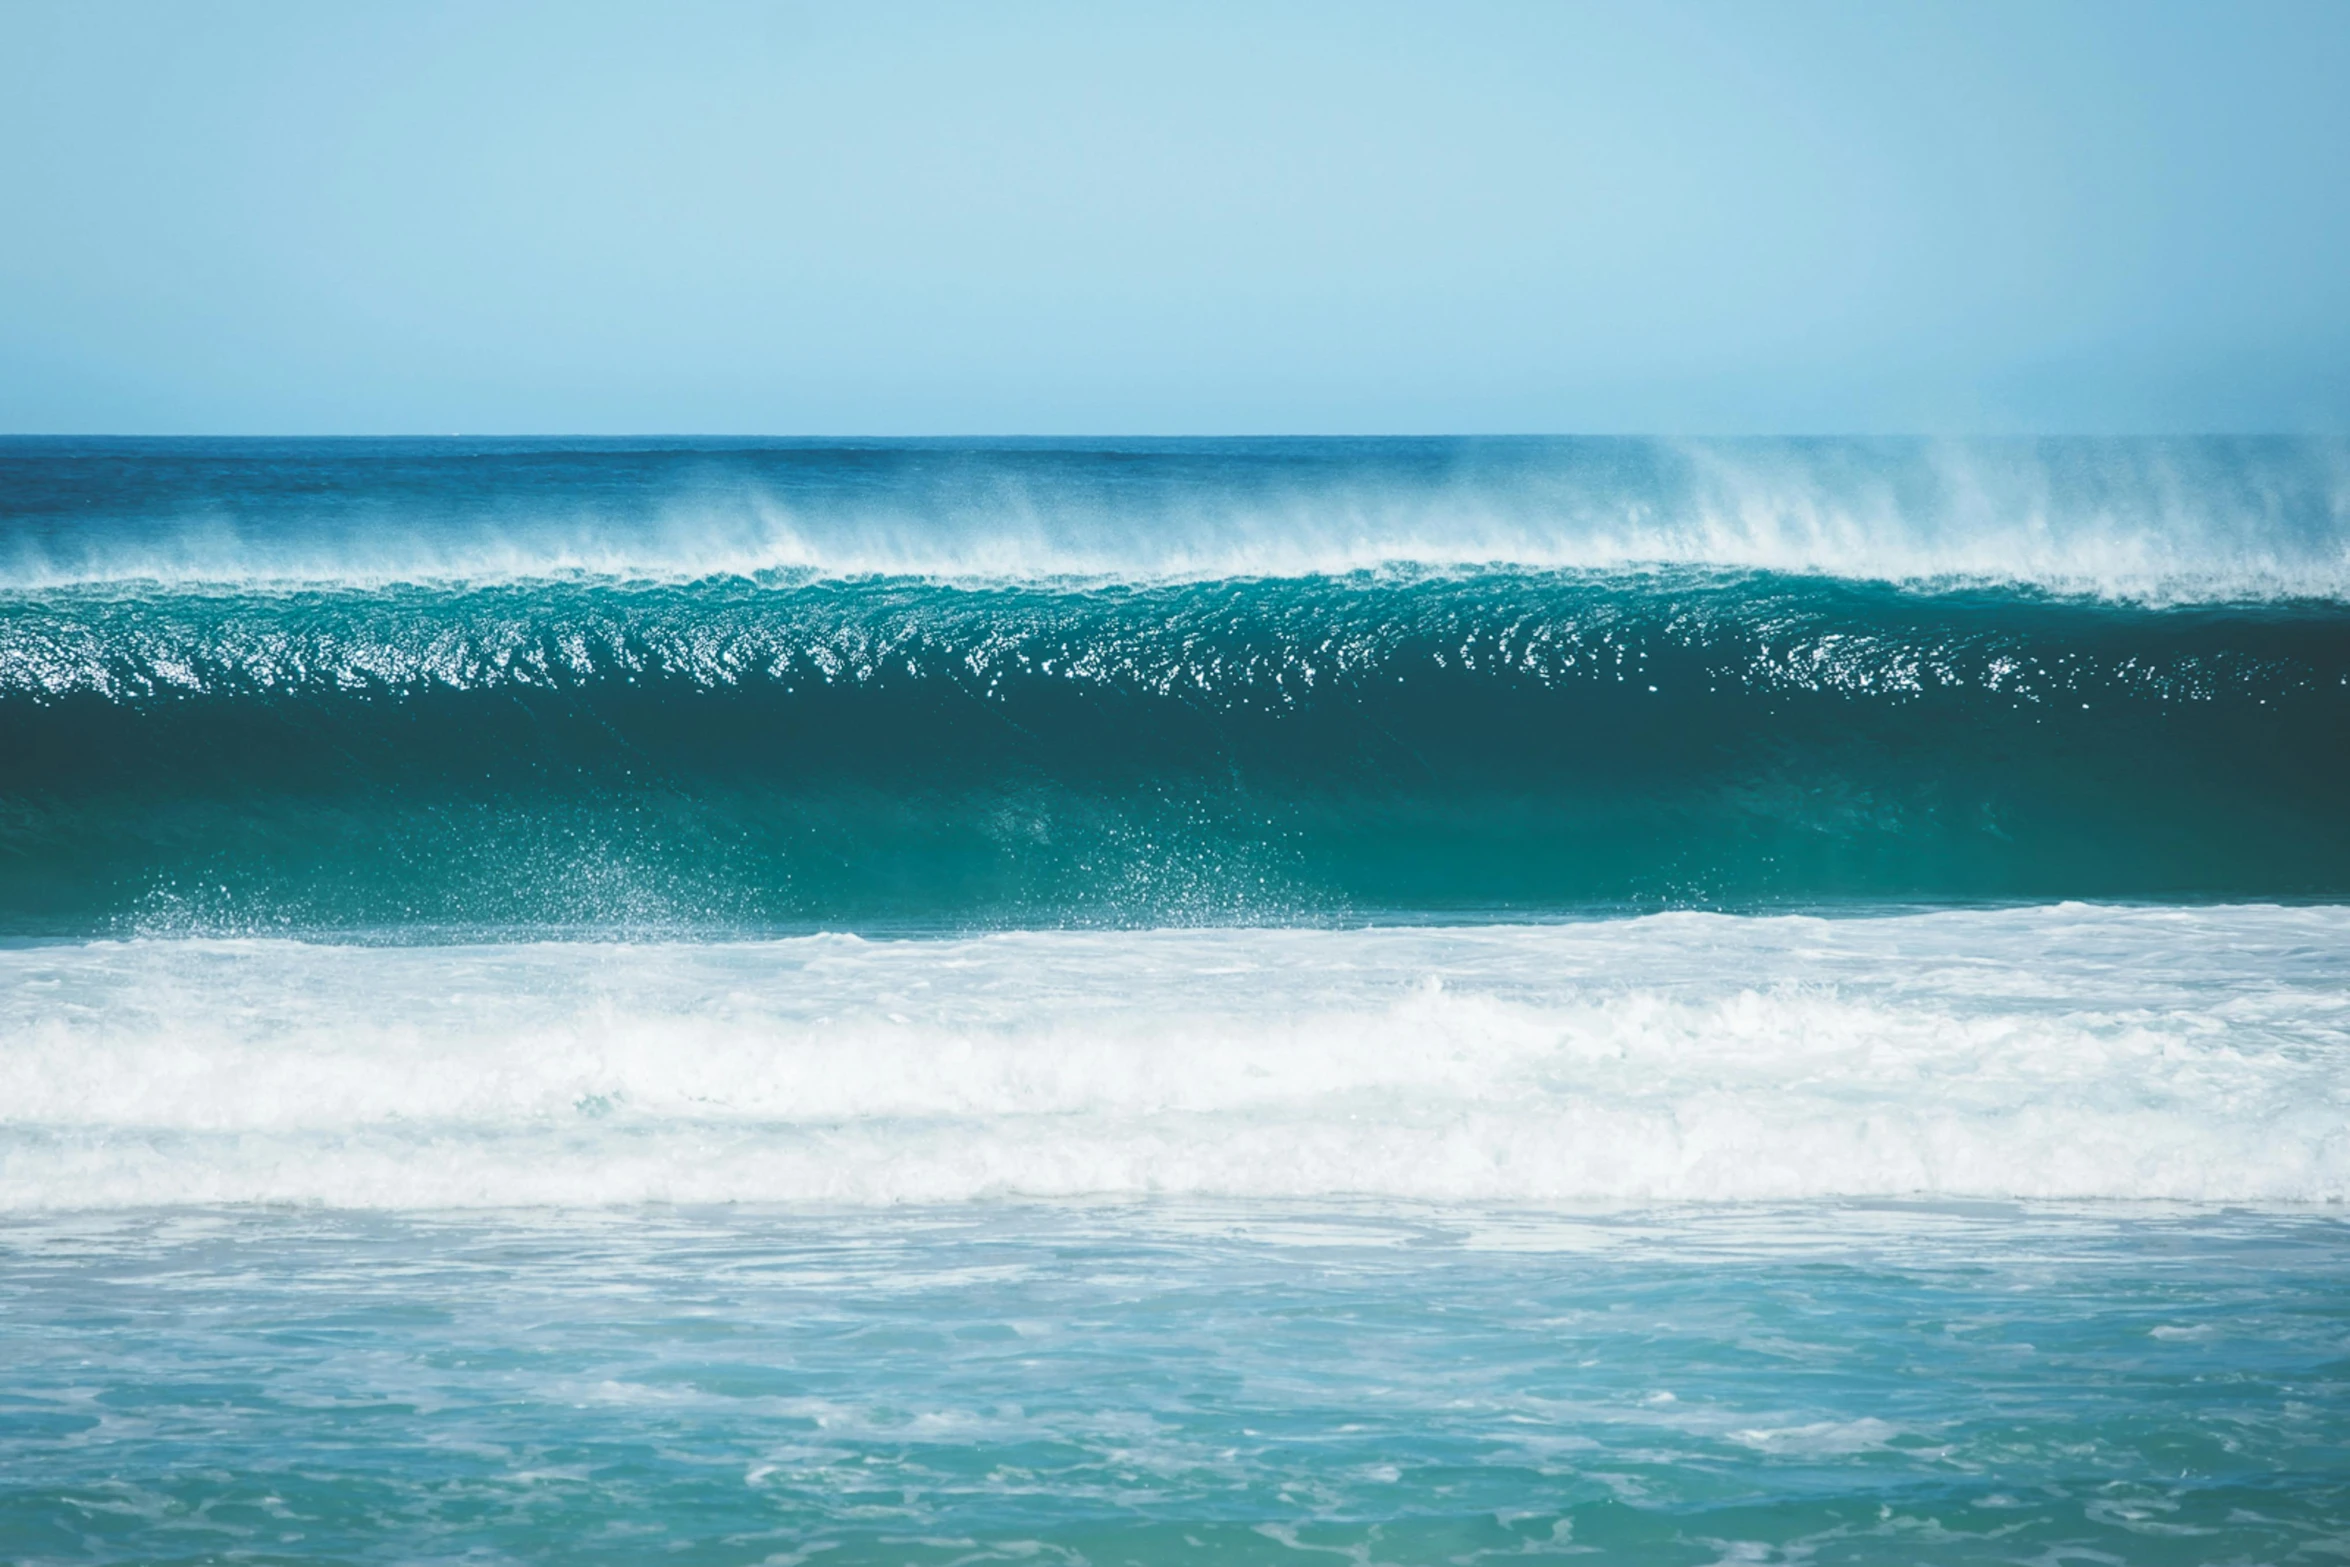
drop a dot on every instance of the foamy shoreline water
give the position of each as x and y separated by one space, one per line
2067 1052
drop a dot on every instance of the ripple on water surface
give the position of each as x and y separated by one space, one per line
1826 1383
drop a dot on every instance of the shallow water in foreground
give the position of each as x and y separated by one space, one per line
2072 1052
1141 1383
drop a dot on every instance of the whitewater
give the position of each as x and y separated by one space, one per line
2054 1053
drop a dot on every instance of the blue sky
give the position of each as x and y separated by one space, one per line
1674 217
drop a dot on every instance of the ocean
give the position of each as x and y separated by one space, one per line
763 1001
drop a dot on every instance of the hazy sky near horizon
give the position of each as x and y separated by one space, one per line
1673 217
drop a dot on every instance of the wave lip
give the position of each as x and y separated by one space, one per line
2160 520
2065 1052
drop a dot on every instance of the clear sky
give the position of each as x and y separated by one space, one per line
864 218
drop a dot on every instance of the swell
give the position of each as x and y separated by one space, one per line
734 754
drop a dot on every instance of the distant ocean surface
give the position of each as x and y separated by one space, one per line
1418 1000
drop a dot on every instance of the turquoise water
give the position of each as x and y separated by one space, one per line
709 688
745 755
1406 1001
1828 1383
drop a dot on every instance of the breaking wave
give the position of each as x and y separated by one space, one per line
2156 520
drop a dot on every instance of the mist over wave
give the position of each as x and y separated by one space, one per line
2151 519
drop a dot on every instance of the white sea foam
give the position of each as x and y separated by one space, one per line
2067 1052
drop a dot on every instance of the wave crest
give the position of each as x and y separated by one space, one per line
2163 520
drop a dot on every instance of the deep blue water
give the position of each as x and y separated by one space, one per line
753 1001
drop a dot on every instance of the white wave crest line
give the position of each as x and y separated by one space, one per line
2159 539
2076 1053
2151 582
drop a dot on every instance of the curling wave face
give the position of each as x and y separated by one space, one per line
742 756
2066 1052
